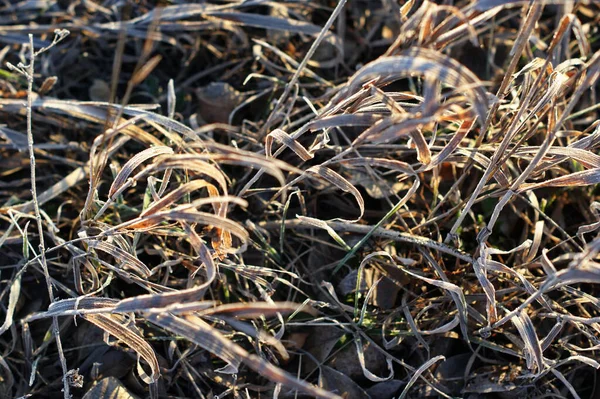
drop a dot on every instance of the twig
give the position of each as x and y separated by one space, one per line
38 216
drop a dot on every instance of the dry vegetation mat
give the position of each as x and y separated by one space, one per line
257 199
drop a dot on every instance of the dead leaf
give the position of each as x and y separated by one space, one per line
334 381
346 361
348 283
109 388
99 91
320 343
217 101
386 389
488 380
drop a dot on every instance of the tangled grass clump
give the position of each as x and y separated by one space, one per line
300 199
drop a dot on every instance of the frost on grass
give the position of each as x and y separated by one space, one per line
329 199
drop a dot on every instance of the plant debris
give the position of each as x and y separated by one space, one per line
324 199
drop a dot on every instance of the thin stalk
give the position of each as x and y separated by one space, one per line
307 57
38 215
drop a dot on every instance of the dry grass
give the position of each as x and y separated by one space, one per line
299 199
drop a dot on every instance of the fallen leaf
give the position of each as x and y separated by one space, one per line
217 102
339 383
109 388
99 91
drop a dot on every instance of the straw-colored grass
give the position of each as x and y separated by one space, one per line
253 199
